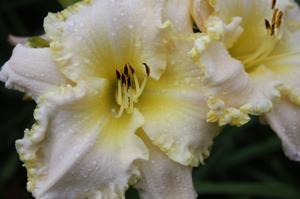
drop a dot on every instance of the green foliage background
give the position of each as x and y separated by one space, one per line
246 163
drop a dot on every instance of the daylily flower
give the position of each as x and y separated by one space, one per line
249 52
118 99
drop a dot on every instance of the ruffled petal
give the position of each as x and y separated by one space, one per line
77 149
110 34
227 33
233 93
161 178
178 12
285 121
284 62
31 70
174 109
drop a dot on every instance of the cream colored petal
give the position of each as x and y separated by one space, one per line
93 38
285 64
178 12
175 109
201 10
285 121
161 178
31 70
77 149
233 93
293 17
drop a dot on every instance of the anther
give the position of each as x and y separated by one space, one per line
126 70
272 29
273 4
267 24
118 74
147 69
123 79
131 69
128 82
278 19
274 15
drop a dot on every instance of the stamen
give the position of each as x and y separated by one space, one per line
131 69
127 94
123 79
276 20
118 74
272 29
274 15
147 69
279 19
119 93
130 101
267 25
273 4
126 70
128 82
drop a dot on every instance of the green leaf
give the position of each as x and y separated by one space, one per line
38 42
270 190
66 3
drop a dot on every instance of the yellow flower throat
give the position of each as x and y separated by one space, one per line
251 61
129 88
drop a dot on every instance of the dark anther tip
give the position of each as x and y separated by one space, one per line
147 69
118 74
126 70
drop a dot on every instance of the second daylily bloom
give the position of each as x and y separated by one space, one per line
249 53
118 99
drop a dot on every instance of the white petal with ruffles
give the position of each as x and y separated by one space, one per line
31 70
163 178
93 38
233 93
284 120
175 108
77 149
178 13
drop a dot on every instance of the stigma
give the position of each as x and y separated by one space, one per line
276 20
129 88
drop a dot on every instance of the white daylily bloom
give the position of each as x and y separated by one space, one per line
249 52
116 74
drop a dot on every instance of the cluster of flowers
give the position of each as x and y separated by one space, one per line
132 92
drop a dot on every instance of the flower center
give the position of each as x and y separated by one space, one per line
129 88
276 20
272 27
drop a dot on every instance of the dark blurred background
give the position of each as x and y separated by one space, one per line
246 163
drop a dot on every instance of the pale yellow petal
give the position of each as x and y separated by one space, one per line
93 39
175 110
254 42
